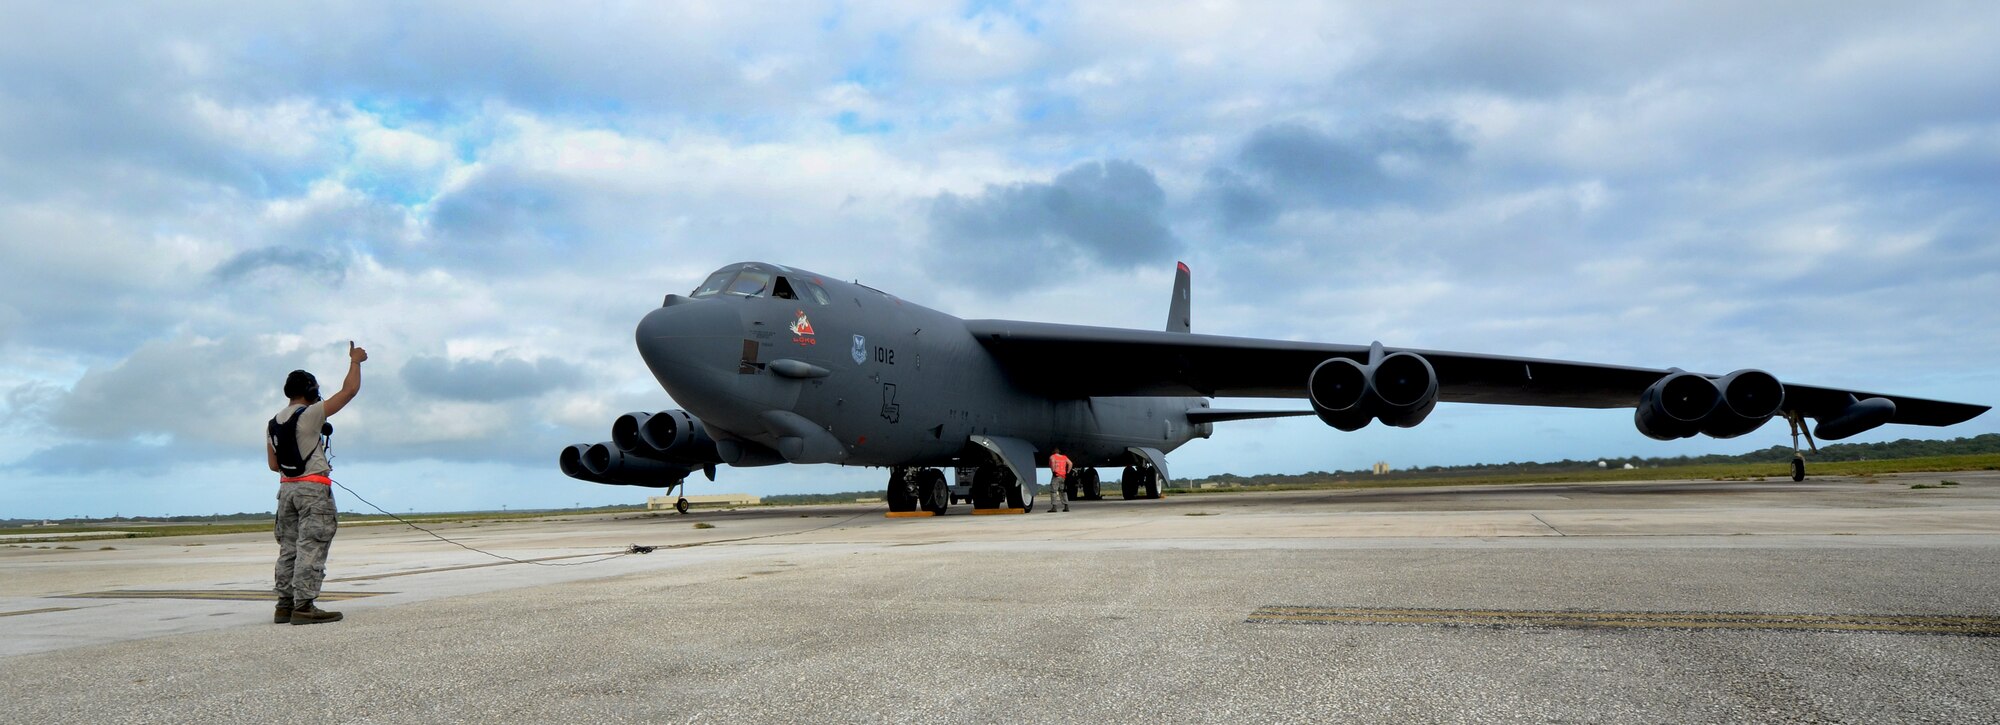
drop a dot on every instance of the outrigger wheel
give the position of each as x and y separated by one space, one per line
681 504
1798 456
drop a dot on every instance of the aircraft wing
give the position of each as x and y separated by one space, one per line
1079 361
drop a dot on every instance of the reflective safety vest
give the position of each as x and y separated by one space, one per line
1059 463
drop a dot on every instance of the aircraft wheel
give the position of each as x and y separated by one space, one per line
1092 489
1016 498
937 495
681 504
1152 478
1072 487
900 497
986 492
1798 469
1129 481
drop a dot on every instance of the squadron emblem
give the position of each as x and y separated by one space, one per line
860 350
802 330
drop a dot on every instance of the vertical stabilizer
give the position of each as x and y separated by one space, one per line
1177 311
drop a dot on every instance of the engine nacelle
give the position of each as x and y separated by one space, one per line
673 436
1404 388
606 461
1338 389
1400 390
1673 407
571 461
1858 417
1683 404
1749 399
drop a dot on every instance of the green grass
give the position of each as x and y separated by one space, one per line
1708 472
704 525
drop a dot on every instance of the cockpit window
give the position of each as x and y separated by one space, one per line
782 289
715 284
818 293
750 283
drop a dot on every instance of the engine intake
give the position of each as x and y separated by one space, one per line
607 462
1399 389
673 436
1683 404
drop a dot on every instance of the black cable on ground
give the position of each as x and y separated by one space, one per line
634 549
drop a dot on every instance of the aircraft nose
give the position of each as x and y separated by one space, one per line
689 335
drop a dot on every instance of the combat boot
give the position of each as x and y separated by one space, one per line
283 615
308 614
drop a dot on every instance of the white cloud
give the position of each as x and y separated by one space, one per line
1706 185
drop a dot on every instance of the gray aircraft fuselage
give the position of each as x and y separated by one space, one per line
864 378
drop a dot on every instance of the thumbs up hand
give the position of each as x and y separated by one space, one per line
355 354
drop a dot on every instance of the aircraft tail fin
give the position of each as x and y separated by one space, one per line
1177 310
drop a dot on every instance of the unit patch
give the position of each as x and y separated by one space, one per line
802 330
860 350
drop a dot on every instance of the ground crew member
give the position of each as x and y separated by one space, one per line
1059 465
306 515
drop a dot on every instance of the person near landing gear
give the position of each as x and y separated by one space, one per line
1059 466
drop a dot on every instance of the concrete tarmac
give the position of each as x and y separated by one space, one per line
1834 600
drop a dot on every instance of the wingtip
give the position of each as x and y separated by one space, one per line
1183 266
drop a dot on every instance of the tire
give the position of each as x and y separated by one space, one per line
1092 489
1012 489
1798 469
937 495
985 491
1072 488
900 497
1152 479
1129 481
681 504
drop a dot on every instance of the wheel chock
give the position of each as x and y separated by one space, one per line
909 514
997 512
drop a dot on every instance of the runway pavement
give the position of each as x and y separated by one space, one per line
1835 600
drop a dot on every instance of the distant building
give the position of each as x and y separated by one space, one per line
1601 464
1381 467
1628 466
656 503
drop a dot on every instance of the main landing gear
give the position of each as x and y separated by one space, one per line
1082 485
911 489
1798 457
994 487
1140 479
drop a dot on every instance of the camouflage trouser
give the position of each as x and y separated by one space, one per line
306 522
1056 486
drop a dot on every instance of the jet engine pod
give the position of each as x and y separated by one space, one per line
1859 416
1749 399
1403 389
1675 406
605 461
678 436
1338 389
625 433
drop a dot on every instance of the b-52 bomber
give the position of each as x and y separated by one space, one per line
776 364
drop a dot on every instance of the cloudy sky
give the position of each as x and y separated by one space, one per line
199 197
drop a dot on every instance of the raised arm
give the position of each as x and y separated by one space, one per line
350 386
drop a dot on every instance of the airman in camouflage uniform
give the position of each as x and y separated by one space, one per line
307 518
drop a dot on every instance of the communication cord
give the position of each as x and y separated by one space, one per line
633 549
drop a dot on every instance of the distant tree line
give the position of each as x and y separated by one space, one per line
1906 448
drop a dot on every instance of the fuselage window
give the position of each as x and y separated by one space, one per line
715 284
750 283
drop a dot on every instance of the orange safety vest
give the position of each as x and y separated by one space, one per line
314 478
1060 464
